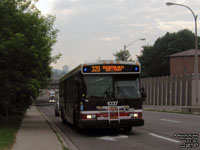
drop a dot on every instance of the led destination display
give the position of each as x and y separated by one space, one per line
110 68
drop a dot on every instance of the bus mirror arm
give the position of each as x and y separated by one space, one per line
143 94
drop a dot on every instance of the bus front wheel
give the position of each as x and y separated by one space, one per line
76 123
127 129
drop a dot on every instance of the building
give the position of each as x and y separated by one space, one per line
183 62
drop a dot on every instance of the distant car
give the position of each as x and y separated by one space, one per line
57 108
52 100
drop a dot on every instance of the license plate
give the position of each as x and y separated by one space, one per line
113 108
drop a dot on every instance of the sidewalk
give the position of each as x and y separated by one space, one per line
35 133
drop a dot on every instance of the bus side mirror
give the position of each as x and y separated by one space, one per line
143 94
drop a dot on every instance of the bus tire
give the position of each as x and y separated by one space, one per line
57 114
127 129
63 117
75 123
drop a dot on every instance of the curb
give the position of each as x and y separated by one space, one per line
65 141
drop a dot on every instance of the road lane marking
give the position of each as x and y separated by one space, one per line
112 138
170 120
165 138
107 138
121 137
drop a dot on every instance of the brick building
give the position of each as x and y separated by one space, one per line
183 62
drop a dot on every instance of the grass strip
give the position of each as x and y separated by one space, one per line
8 130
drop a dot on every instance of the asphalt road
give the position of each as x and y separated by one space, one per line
162 131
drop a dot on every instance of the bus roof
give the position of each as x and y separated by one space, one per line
111 62
75 70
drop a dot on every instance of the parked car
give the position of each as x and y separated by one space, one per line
57 108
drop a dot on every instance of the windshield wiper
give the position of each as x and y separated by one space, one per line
108 93
119 91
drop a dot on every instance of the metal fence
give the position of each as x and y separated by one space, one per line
169 90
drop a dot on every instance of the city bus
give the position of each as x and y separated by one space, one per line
102 94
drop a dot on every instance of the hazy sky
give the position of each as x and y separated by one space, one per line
93 29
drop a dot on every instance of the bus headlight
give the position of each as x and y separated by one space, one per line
136 115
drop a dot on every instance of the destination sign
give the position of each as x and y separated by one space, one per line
110 68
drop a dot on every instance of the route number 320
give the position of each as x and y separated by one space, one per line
96 69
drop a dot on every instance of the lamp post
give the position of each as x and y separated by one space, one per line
125 46
196 47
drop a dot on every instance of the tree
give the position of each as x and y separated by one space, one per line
145 60
26 40
155 59
123 55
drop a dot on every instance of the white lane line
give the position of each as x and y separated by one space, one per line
165 138
107 138
170 120
113 138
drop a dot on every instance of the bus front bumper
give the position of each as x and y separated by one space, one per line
112 124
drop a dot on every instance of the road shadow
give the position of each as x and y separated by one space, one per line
107 132
102 132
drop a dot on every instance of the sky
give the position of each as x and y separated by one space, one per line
90 30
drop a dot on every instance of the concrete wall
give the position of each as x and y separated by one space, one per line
194 101
171 91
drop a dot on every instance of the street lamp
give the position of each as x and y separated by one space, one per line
196 47
125 46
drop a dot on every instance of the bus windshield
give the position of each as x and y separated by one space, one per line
102 87
98 86
127 89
